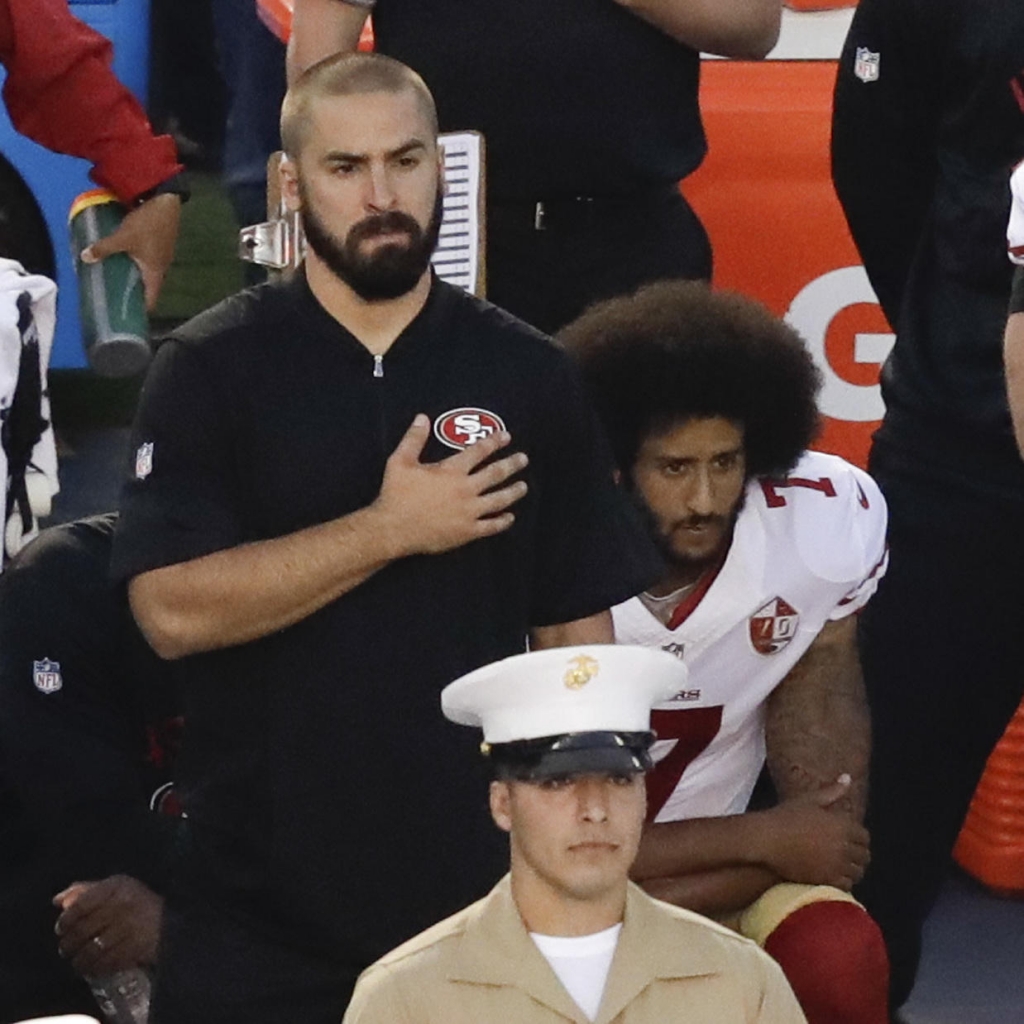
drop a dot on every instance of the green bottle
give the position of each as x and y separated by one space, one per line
111 299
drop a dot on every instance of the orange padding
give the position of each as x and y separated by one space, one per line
991 843
277 16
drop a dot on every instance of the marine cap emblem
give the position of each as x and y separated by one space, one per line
581 670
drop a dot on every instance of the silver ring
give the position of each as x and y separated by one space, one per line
98 942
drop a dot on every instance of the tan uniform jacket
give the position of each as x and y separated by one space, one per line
482 967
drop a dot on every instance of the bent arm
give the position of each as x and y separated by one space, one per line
713 893
594 629
818 727
321 28
695 845
722 863
61 92
243 593
747 29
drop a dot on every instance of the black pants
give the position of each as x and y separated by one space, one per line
942 644
215 970
584 252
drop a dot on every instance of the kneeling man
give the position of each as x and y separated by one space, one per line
709 404
565 935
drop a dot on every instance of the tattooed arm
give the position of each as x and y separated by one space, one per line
817 726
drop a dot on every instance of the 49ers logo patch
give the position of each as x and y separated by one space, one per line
773 626
460 428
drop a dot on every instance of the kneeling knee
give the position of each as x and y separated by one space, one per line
834 956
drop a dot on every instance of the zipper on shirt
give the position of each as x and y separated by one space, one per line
378 366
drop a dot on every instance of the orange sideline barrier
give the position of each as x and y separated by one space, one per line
277 16
765 195
991 843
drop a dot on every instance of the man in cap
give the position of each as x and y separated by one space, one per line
566 936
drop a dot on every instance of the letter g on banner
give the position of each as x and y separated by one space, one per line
812 312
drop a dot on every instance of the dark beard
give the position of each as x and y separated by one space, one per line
683 564
388 272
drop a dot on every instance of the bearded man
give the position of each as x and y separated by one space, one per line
328 523
709 403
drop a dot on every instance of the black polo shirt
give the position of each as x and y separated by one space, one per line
78 766
573 96
332 802
921 155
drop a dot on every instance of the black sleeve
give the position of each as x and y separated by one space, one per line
593 553
883 135
72 733
177 504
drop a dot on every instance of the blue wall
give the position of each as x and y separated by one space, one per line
56 180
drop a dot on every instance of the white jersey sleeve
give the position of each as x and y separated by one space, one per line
845 540
1015 228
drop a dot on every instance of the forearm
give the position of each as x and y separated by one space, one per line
321 28
713 893
697 845
247 592
61 92
818 726
1013 356
731 28
595 629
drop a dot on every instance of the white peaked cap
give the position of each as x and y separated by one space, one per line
594 688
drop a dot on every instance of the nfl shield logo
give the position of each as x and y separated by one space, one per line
46 675
144 461
773 626
866 65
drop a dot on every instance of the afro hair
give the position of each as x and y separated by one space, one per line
675 351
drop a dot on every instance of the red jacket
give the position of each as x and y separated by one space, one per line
61 92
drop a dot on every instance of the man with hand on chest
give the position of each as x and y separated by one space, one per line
350 488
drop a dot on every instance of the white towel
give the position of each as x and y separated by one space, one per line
1015 228
41 478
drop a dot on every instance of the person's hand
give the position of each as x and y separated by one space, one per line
148 234
426 508
813 841
109 925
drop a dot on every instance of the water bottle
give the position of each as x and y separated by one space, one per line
123 998
111 298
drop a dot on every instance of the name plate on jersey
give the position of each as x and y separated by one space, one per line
279 243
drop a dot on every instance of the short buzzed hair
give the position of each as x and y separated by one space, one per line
347 74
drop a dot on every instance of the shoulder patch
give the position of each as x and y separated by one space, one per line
144 460
46 676
829 514
867 64
773 626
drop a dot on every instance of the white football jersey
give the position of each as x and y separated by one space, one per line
805 550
